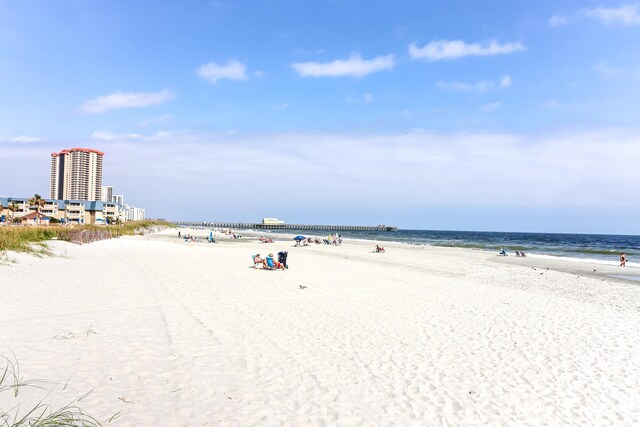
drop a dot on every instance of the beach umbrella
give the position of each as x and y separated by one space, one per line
299 238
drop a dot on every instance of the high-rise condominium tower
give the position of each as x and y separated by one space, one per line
76 174
107 193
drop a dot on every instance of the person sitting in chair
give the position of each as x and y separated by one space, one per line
273 264
257 261
502 252
379 249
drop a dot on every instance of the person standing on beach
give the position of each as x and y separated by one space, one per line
623 259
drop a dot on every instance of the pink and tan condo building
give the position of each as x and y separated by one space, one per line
76 174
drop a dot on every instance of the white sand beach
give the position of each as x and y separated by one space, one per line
168 333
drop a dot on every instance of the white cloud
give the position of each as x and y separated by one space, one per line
505 81
625 15
154 121
24 139
558 21
119 100
454 49
355 66
481 86
488 108
213 72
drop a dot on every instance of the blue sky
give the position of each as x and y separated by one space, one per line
476 115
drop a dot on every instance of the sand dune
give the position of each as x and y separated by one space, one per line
173 333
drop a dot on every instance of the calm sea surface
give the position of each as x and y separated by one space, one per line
583 246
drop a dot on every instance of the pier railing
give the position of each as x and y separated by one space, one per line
301 227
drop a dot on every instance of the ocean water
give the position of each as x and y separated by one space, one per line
599 247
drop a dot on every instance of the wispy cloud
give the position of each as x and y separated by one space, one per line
558 21
481 86
607 71
491 107
454 49
118 100
308 52
24 139
110 136
355 66
366 98
624 15
557 105
232 70
154 121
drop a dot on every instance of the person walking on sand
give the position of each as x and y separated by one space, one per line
623 259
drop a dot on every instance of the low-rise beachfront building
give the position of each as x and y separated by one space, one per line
63 211
13 208
35 218
272 221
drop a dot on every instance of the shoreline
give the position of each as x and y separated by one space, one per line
599 269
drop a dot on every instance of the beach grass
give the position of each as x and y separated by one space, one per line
42 413
32 239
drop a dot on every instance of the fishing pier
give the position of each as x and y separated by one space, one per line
281 226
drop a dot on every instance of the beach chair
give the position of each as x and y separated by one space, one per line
256 264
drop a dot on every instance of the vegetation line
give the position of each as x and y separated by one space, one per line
31 238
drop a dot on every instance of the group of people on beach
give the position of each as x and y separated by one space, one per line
623 256
332 239
188 237
518 253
